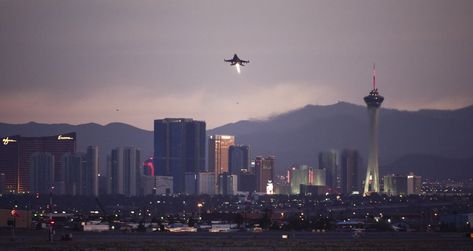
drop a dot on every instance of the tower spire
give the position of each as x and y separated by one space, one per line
374 76
373 101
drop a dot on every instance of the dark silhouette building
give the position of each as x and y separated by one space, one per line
329 161
179 147
246 181
264 170
238 158
81 172
350 165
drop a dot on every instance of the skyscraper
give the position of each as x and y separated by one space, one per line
301 175
179 147
373 102
124 171
320 177
219 146
206 183
131 170
91 172
41 172
228 184
74 173
349 166
238 158
81 172
246 181
16 152
414 184
329 161
264 170
115 171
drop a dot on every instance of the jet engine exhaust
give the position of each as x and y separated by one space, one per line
238 68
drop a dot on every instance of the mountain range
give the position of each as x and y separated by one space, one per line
431 143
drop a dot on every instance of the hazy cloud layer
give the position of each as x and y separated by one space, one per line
135 61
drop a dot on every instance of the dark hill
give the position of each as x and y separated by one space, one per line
298 136
431 136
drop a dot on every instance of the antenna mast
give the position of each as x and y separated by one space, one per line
374 76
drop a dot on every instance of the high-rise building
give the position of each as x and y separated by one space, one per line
16 152
124 171
108 184
349 166
228 184
246 181
131 170
320 176
74 166
91 172
42 173
373 102
301 175
190 183
206 182
104 183
115 171
264 170
414 184
329 161
219 146
179 147
395 185
238 158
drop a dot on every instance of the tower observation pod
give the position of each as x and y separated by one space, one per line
373 102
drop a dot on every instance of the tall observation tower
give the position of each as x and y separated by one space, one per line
373 101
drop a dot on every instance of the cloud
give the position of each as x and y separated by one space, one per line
78 62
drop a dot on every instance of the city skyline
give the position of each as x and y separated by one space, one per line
122 62
128 124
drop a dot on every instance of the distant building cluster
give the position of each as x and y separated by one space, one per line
396 184
186 161
51 164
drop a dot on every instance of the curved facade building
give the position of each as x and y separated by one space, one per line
16 159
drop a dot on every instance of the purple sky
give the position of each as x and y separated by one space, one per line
79 61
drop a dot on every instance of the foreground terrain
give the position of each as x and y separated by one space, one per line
37 240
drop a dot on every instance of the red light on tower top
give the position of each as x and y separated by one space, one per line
374 76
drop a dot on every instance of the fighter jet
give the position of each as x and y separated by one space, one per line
236 60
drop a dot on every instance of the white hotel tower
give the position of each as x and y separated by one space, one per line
373 101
